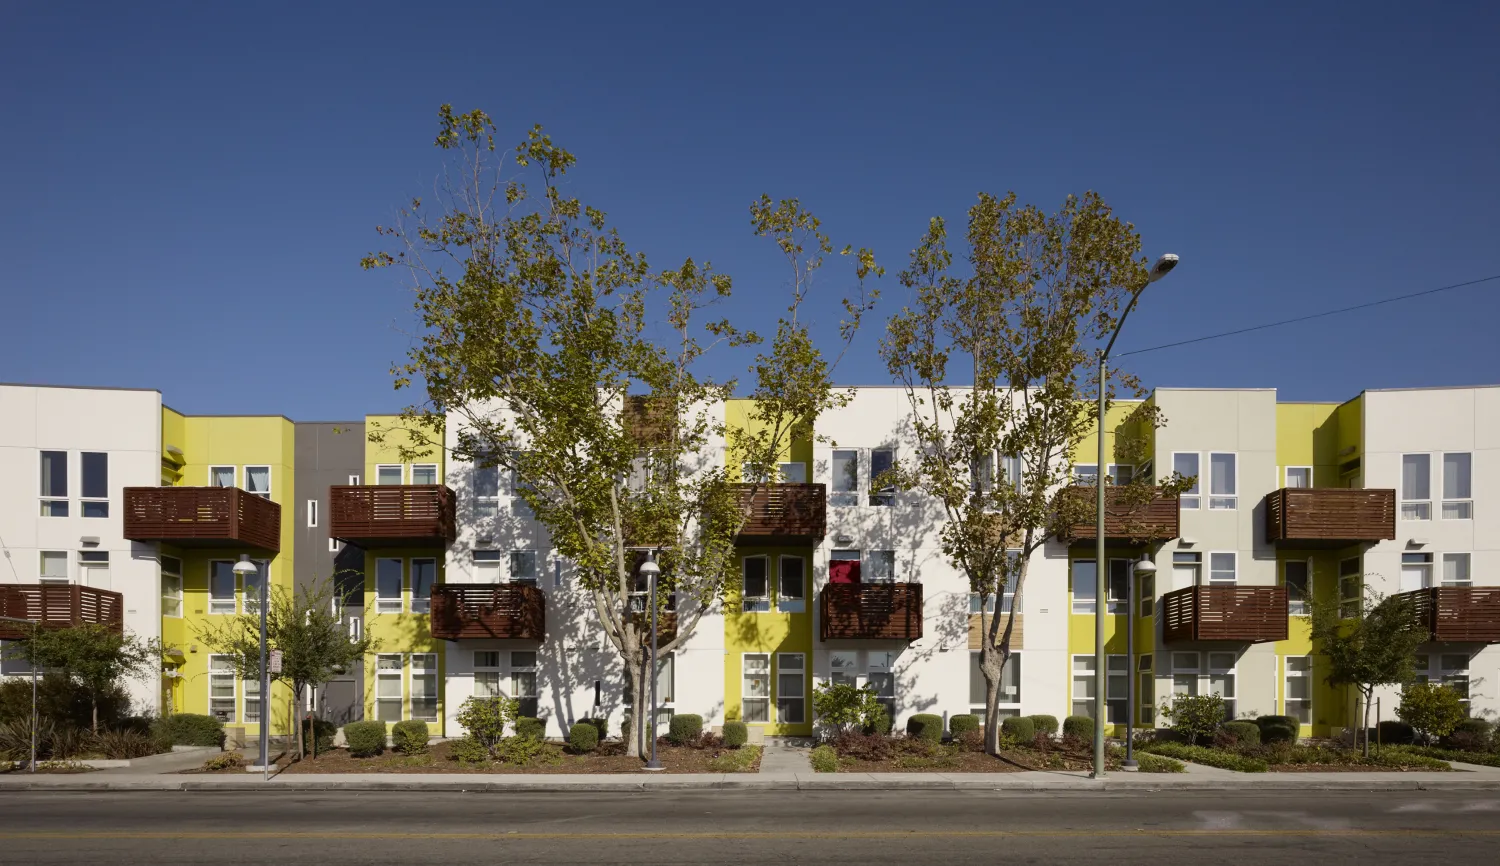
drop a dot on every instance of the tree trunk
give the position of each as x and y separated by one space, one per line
991 714
94 705
635 670
298 721
1365 727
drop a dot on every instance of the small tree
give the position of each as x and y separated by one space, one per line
314 642
1433 709
485 719
1370 642
96 657
844 707
1194 716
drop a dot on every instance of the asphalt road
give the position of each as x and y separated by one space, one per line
741 828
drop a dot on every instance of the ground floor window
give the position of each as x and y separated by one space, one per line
1145 694
1204 674
523 682
388 691
486 674
221 688
424 687
1085 685
791 688
755 695
1450 669
1010 687
1116 685
252 701
1299 688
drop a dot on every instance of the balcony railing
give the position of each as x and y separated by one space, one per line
396 515
57 605
1458 614
1329 516
202 517
783 513
1244 614
1126 521
871 611
515 611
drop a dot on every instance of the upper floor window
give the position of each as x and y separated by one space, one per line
756 584
882 460
54 566
982 474
388 585
1121 473
880 566
523 566
1299 477
1085 585
1458 495
424 473
1298 586
1086 474
390 474
845 478
1351 587
1222 487
1221 569
486 490
1119 585
54 487
1456 570
791 585
1416 487
1011 470
221 476
423 576
258 481
1186 465
94 467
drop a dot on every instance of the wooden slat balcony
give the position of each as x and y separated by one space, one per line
1126 521
394 515
870 611
57 605
202 517
514 611
1312 517
787 514
1458 614
1243 614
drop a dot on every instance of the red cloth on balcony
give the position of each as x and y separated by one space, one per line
843 571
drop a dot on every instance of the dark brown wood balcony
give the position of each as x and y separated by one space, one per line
57 605
1243 614
515 611
393 515
1126 519
1458 614
1312 517
202 517
787 514
870 611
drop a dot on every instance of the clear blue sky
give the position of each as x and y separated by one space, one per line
179 181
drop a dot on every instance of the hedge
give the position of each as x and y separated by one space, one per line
1018 728
190 729
925 726
961 724
1276 733
318 735
736 734
602 725
531 729
409 737
1208 757
1081 727
583 737
685 728
1394 733
1044 724
1150 763
365 739
824 760
1244 733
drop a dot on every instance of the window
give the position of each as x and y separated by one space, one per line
755 699
1299 688
881 677
1456 569
1450 669
880 566
221 586
1221 569
1085 584
791 688
11 663
666 679
1186 465
1121 473
390 474
1084 686
388 694
1295 573
845 478
221 476
1117 690
387 586
1009 702
1086 474
54 567
424 473
1184 674
1221 680
1416 571
221 692
94 469
93 568
1119 585
1012 468
793 473
843 667
1351 588
486 674
487 564
334 545
54 487
1458 495
756 584
252 700
252 583
1416 487
1145 595
258 481
486 491
982 474
423 576
1187 569
171 586
1145 691
1299 477
882 460
791 586
1221 482
424 687
523 566
312 513
518 486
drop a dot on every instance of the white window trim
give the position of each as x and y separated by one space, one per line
1441 578
234 472
1073 588
538 563
1406 500
1445 501
353 480
247 601
398 674
83 500
1075 676
165 573
1359 584
867 572
234 590
399 467
412 672
1111 662
1114 606
1286 476
334 545
312 514
868 468
787 605
1434 672
1112 470
233 676
67 575
776 696
65 499
436 476
270 480
1086 478
754 603
487 670
1306 602
1191 501
400 597
770 687
1235 496
422 605
1286 693
1145 689
1206 572
838 498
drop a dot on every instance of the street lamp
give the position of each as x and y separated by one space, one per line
244 569
651 571
1144 568
1163 266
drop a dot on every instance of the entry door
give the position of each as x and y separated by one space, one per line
341 703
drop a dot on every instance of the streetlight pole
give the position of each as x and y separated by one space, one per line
1144 568
650 570
1101 573
244 568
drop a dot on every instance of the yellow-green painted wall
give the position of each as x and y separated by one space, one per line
1307 434
393 435
737 416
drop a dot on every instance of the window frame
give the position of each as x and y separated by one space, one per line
217 604
1465 504
1231 701
1118 605
214 471
167 575
52 504
1286 477
885 497
222 673
1433 667
1112 472
421 604
800 672
746 698
312 514
41 565
1004 706
1304 676
1090 676
270 481
84 499
1085 474
1412 507
1355 602
1192 498
837 496
384 603
400 474
512 573
486 673
868 559
754 603
1145 689
1117 668
1145 595
436 476
788 603
1294 606
1468 569
1092 604
487 504
425 672
395 674
1234 560
1232 497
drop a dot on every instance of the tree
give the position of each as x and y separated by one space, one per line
96 657
313 639
1194 716
1433 709
540 336
1040 291
1370 643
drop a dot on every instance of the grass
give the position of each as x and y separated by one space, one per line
1487 759
1208 757
1285 757
1159 764
741 760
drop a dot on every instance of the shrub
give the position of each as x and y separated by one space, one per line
1195 717
1078 727
1271 734
318 735
736 734
971 741
824 760
520 750
583 737
190 729
15 739
531 729
878 722
960 724
1150 763
685 728
843 707
1244 733
601 725
1393 733
1209 757
925 726
228 761
121 745
1018 728
469 751
1487 759
62 702
1471 735
1287 721
865 747
485 719
1432 709
365 739
409 737
1044 725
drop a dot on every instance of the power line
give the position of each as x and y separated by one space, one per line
1313 316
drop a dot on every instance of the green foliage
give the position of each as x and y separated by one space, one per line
1195 717
365 739
1244 733
1372 642
62 701
1080 727
583 737
960 724
1044 725
522 751
485 719
1150 763
409 737
226 761
601 725
843 707
123 745
95 657
1471 735
1487 759
318 734
878 722
1394 733
532 729
190 729
1290 721
736 734
469 751
1433 709
925 726
824 759
735 760
685 728
1271 733
1019 728
1208 757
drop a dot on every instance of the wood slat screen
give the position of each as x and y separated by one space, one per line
1458 614
202 516
784 513
871 611
58 606
1330 515
516 611
1244 614
396 514
1156 520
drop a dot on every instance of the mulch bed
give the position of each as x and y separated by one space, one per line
610 759
954 759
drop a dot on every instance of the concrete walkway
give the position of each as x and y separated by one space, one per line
782 756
